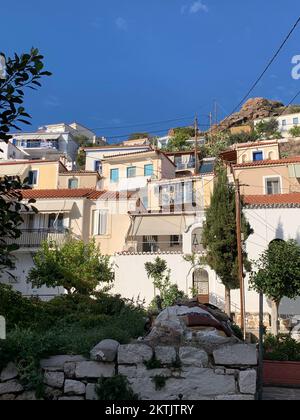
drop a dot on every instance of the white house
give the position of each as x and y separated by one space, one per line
9 151
285 123
53 141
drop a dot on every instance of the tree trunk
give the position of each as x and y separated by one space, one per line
275 318
227 302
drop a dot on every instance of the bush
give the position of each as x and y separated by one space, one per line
116 388
69 324
281 348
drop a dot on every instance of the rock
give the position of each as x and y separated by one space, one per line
94 370
9 372
52 394
69 370
73 398
132 371
237 397
7 397
192 356
202 385
54 379
248 382
105 351
27 396
91 394
57 362
239 354
10 387
220 371
134 353
165 354
74 387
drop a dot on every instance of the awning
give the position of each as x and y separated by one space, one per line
158 225
294 171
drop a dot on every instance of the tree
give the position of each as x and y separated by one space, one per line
219 235
268 129
20 72
178 143
277 274
137 136
295 131
159 272
76 266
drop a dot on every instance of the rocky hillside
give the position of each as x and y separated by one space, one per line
256 108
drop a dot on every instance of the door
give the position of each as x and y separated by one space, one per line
201 285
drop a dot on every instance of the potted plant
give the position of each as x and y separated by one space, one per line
281 361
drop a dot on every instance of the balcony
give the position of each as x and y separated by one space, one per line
180 166
33 238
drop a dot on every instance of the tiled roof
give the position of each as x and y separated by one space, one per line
114 146
286 161
128 154
278 200
25 162
63 193
256 144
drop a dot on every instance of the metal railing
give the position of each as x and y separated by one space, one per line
181 166
158 246
33 238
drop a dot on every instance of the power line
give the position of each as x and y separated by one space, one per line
271 61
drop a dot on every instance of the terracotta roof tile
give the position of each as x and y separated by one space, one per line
255 144
278 200
285 161
63 193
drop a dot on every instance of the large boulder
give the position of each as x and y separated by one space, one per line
236 355
10 387
94 370
105 351
74 387
54 379
191 356
134 353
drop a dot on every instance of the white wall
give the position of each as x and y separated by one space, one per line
24 263
269 224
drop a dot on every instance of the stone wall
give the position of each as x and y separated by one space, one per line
227 372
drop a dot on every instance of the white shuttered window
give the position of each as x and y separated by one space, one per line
100 222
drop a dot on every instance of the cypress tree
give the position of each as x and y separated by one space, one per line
219 235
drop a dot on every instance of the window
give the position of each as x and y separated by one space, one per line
257 156
131 171
114 175
283 123
73 184
56 221
98 166
33 177
296 121
273 186
148 170
175 240
100 222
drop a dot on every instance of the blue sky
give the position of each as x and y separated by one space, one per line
122 62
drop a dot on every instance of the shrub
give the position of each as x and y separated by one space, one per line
152 363
116 388
281 348
159 381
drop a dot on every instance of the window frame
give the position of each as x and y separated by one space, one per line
257 152
73 179
146 166
270 178
37 177
97 226
128 170
115 170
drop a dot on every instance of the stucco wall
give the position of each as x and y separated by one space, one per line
254 178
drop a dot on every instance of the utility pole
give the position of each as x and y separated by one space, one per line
240 253
196 145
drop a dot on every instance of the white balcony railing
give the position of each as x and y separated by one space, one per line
33 238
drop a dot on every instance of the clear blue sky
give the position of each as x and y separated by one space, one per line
122 62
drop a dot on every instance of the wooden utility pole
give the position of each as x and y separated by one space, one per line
240 253
196 146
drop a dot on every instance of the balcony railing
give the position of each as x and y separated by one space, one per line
182 166
33 238
38 144
159 246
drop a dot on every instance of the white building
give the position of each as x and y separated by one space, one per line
53 141
285 123
9 151
96 155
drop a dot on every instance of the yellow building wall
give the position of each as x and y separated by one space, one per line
47 173
269 153
84 181
255 177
